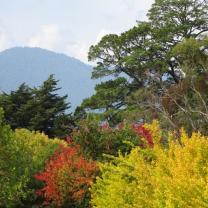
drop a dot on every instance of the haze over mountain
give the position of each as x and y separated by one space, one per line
34 65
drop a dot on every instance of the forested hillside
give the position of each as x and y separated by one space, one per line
140 141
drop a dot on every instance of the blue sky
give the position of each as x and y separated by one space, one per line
66 26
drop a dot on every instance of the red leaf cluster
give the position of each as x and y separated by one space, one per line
67 176
121 125
105 126
143 132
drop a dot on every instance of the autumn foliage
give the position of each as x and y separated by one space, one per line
67 176
143 132
173 175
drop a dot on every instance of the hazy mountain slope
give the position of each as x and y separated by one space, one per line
34 65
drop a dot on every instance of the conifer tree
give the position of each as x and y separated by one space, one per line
40 109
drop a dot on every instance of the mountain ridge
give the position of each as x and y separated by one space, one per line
33 65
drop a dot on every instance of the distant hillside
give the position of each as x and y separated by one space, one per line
34 65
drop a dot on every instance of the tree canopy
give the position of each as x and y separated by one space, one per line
146 55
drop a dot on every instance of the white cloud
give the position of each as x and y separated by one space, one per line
137 7
78 50
102 33
5 41
75 42
52 38
48 37
126 12
135 4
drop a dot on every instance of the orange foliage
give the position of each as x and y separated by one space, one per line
67 176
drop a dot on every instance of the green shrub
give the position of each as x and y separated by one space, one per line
96 140
22 154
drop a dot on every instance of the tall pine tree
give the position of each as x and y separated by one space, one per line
39 109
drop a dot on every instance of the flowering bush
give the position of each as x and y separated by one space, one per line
96 140
169 177
67 177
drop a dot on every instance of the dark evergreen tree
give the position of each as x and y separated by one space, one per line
18 106
40 109
50 110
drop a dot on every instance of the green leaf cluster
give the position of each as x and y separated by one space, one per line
97 139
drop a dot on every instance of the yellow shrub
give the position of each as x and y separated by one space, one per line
118 185
38 146
171 177
181 173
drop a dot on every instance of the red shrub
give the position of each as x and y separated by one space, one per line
143 132
67 176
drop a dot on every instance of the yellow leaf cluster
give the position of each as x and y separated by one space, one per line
173 176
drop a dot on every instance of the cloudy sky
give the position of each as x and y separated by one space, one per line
66 26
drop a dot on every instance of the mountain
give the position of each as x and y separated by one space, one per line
34 65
